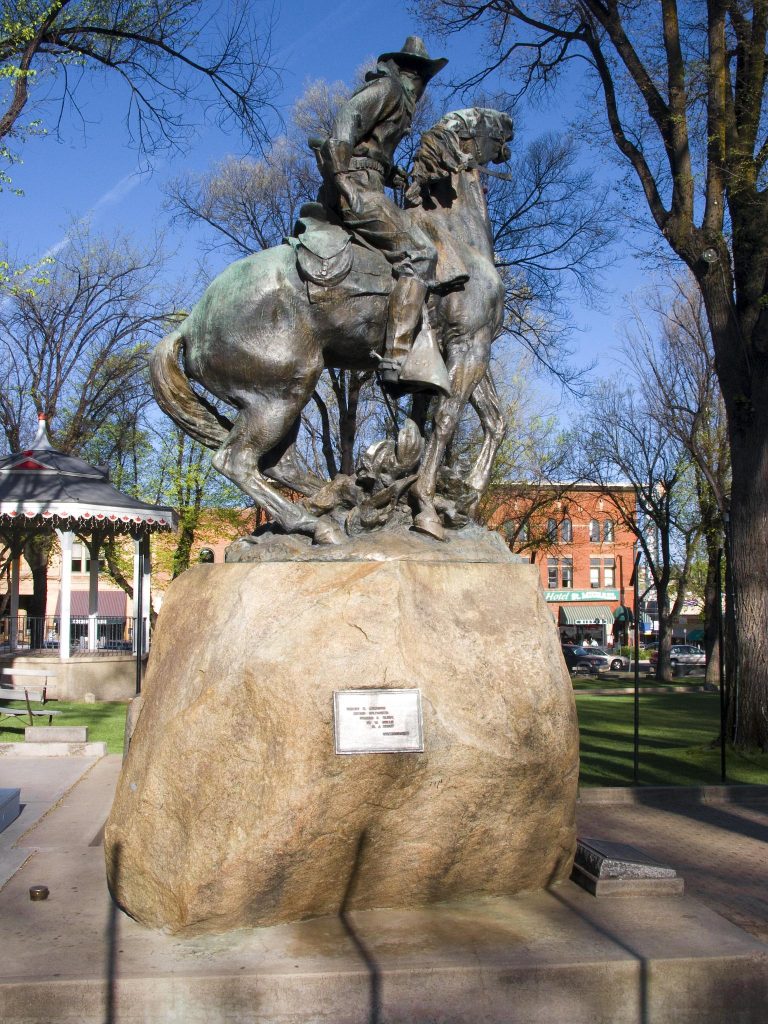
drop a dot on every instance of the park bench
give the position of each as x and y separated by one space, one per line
26 694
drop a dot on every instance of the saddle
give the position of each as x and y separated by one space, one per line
323 249
327 255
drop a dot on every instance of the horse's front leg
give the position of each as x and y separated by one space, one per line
485 402
465 376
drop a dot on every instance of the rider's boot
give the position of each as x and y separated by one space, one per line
412 361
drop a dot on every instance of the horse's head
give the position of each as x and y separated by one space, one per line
458 142
483 133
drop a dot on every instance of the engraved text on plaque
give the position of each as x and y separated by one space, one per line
377 721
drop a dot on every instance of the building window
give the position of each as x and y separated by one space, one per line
594 531
608 531
77 557
551 531
81 557
552 573
515 531
566 531
594 573
609 572
567 572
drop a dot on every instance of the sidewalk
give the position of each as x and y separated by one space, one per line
530 959
720 848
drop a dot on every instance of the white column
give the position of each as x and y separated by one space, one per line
14 604
146 567
93 594
65 620
136 588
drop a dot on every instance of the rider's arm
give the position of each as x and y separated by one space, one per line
357 118
365 109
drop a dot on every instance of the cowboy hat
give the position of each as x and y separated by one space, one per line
414 56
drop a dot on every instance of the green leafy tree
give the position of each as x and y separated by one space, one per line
181 476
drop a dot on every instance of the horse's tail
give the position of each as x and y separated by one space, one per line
192 412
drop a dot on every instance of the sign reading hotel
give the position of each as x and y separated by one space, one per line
564 596
377 721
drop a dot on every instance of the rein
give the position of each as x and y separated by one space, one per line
495 174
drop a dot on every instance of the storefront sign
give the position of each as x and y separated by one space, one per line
565 596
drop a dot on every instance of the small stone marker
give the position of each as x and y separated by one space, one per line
617 869
10 807
61 734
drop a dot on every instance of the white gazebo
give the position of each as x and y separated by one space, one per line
43 490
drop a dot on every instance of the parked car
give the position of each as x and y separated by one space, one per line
684 658
585 659
617 662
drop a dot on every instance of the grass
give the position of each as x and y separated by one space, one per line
678 742
677 733
105 721
621 681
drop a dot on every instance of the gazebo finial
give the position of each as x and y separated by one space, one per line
41 439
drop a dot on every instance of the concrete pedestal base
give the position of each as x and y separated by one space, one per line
544 958
9 807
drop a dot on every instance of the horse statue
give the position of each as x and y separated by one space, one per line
263 331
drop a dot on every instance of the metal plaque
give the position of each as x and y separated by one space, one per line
377 721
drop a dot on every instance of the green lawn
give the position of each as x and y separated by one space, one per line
677 733
105 721
676 736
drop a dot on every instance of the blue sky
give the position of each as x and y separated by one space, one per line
93 173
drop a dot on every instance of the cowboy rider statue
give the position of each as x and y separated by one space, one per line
357 162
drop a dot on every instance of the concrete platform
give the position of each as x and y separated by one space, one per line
9 807
554 957
550 957
54 749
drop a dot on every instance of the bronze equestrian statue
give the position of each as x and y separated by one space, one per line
266 327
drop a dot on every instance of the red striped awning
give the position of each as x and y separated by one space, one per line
112 604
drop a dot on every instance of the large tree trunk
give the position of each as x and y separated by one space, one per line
748 710
742 369
37 552
712 612
663 666
188 523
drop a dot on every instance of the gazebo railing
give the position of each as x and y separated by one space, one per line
36 634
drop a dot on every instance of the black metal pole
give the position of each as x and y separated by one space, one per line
635 582
721 661
138 609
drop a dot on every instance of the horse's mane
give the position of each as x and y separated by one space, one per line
439 154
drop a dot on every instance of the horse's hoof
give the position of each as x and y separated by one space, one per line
429 523
328 531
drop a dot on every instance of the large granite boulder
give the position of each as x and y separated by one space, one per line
233 808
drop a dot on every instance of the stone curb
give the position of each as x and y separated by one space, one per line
97 749
619 691
736 794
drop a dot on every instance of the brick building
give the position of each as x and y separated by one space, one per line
578 538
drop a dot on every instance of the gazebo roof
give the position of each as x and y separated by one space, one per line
42 487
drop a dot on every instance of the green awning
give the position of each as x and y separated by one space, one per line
581 614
